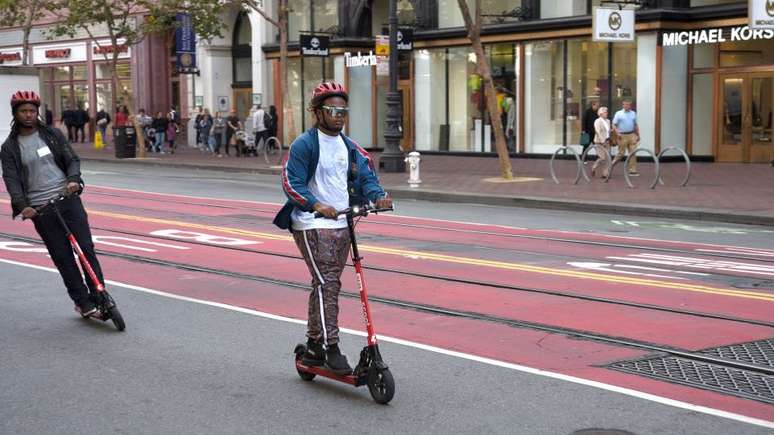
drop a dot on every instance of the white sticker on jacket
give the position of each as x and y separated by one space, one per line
42 152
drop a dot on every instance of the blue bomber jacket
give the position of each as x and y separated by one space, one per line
362 184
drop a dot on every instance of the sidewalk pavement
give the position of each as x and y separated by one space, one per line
725 192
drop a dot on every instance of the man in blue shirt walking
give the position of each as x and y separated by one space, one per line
625 125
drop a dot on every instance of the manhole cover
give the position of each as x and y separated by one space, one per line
759 352
755 284
601 432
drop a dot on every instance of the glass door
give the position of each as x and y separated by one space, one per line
745 131
761 99
732 131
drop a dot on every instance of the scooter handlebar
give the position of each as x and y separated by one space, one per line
356 211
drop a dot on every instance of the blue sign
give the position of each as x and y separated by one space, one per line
185 45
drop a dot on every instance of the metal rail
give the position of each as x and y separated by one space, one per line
577 160
687 163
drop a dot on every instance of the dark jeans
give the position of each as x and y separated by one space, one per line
71 133
80 129
54 236
261 135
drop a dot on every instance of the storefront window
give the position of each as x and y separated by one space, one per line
360 105
299 18
104 97
326 14
704 55
80 73
701 111
564 8
544 93
624 75
746 53
695 3
449 14
296 102
62 73
587 82
103 71
674 92
431 120
243 69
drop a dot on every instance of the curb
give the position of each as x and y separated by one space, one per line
502 200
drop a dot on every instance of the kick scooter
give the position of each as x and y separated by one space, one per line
106 306
371 369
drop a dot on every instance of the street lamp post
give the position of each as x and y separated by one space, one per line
392 159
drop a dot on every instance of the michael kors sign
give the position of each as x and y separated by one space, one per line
613 25
761 14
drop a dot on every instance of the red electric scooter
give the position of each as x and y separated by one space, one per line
371 369
106 306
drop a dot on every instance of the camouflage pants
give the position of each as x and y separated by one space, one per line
325 252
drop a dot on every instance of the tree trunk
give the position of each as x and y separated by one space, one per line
27 30
287 110
474 34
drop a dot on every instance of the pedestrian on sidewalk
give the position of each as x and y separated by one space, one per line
628 131
171 132
233 125
589 125
260 119
49 116
38 165
197 127
68 119
326 171
81 119
205 125
122 117
103 119
602 138
218 129
159 126
272 127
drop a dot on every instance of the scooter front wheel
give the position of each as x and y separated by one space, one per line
381 385
116 317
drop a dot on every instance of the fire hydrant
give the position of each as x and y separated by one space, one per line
413 161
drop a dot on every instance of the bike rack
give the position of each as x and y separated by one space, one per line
634 154
266 144
577 160
687 164
600 149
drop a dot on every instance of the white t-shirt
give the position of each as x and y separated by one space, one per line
258 120
329 184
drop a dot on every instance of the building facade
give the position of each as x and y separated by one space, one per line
710 97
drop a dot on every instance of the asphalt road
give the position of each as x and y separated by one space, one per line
187 368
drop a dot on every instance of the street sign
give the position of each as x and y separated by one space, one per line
382 45
613 25
761 14
314 45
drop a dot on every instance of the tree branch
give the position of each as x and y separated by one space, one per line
254 6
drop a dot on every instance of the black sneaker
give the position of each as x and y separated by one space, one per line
86 307
314 355
336 362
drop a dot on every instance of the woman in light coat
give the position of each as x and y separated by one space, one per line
602 138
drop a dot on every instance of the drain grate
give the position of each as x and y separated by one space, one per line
713 377
759 352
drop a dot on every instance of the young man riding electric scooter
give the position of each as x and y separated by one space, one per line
40 168
326 172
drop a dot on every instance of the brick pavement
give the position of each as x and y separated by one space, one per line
716 191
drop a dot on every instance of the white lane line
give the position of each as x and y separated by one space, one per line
452 353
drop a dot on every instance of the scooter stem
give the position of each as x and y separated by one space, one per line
361 283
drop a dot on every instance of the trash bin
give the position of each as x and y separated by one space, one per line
125 142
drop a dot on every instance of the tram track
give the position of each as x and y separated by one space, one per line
471 315
484 233
434 277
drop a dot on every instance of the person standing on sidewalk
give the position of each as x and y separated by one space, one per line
171 132
103 119
68 119
233 125
38 165
602 138
625 123
589 121
260 118
159 126
272 127
205 125
218 129
326 171
49 116
81 119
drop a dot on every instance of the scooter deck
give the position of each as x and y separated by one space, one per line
350 379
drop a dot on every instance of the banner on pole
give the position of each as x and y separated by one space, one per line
185 45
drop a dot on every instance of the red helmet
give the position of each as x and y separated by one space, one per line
328 89
21 97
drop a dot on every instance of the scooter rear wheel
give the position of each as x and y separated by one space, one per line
117 319
381 385
300 350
